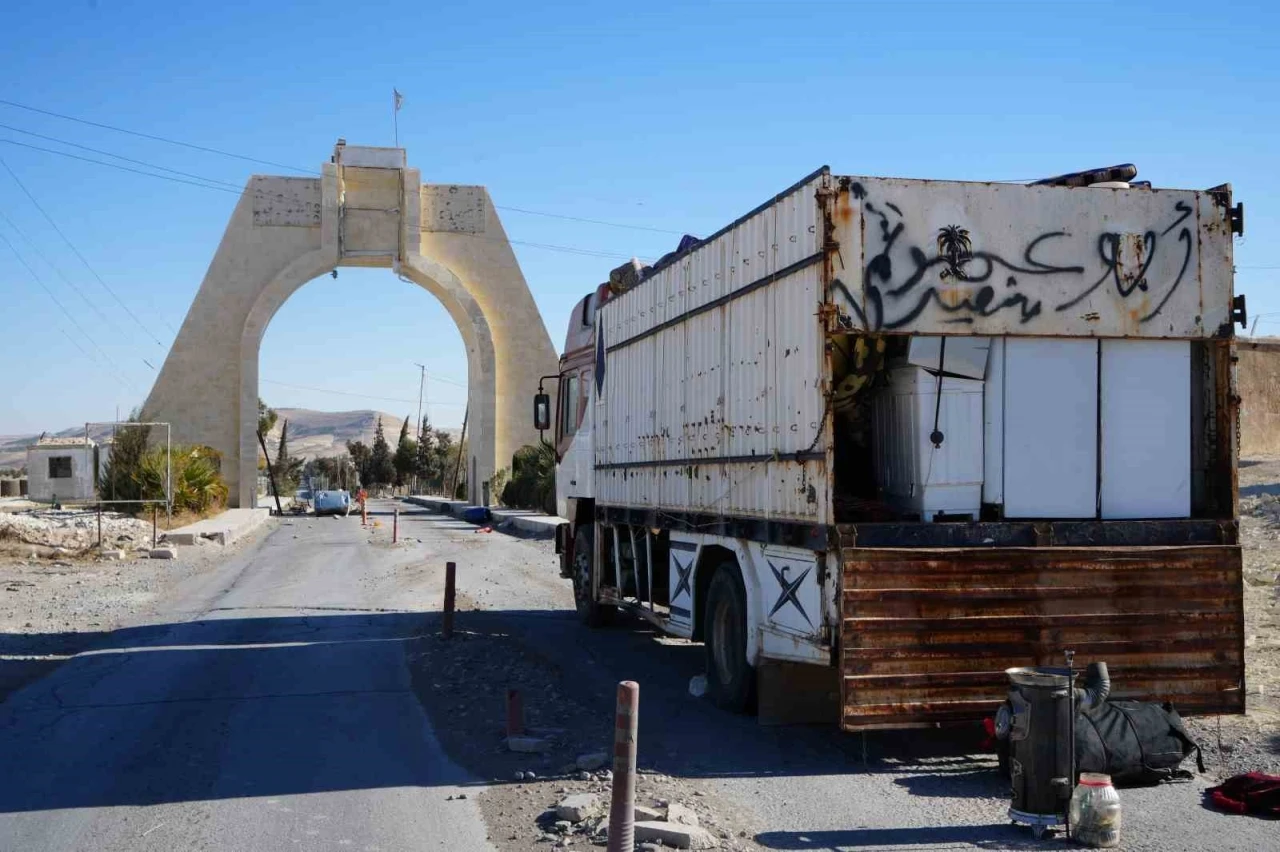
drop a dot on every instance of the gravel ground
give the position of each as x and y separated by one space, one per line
1236 744
794 788
463 683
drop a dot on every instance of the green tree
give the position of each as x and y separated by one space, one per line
382 469
406 455
121 476
288 470
424 465
361 457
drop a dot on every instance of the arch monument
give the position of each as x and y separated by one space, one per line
367 208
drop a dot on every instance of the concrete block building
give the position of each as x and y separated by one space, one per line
61 468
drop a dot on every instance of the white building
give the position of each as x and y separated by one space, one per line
61 469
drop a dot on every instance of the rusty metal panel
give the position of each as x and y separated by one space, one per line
926 634
944 257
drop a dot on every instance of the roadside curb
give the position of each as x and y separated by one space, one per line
222 529
532 524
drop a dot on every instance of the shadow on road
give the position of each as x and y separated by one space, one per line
260 706
1002 836
219 708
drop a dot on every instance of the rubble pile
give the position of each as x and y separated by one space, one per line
71 531
584 816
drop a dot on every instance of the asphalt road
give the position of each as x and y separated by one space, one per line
271 709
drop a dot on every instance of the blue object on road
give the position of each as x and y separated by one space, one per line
475 514
332 503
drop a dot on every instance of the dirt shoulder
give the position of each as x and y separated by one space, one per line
463 683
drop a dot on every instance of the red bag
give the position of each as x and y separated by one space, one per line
1252 793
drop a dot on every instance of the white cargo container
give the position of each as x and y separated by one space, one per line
745 453
928 452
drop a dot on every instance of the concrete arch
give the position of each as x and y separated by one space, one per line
366 210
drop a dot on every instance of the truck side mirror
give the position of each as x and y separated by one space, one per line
542 412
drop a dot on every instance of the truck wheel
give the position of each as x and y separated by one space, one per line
590 613
731 680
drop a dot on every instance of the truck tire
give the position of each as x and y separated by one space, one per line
590 613
731 680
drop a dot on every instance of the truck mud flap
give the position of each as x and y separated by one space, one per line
927 633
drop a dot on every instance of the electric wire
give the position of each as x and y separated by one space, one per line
360 395
58 271
115 370
506 207
155 138
223 186
84 260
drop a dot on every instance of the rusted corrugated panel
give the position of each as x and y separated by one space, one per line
927 633
943 257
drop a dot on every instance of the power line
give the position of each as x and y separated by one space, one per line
301 170
40 254
77 253
115 370
155 138
116 166
212 183
583 219
117 156
360 395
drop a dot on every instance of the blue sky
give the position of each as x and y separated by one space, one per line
659 115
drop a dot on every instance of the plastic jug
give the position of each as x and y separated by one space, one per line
1095 812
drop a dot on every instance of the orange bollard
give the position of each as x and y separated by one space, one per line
622 806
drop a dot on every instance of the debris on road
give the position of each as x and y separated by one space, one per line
679 836
579 806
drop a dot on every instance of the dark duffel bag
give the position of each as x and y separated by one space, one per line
1136 743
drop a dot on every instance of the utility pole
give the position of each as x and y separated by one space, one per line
422 383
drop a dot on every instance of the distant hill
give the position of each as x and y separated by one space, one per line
312 434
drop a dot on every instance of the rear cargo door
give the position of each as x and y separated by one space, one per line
926 634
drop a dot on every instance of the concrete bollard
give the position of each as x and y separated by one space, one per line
622 806
450 572
395 526
515 713
99 526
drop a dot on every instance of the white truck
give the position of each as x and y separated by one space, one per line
905 434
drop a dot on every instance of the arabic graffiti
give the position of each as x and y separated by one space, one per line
966 283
